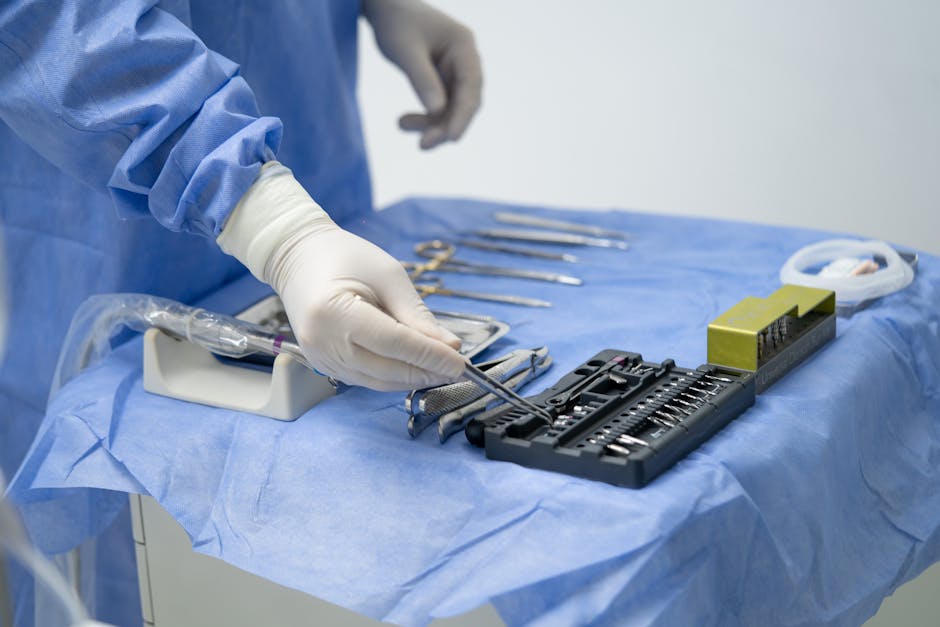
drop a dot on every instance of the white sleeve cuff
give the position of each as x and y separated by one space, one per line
273 209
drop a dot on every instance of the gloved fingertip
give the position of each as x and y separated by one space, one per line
431 328
458 124
433 137
413 122
432 96
444 335
456 368
450 339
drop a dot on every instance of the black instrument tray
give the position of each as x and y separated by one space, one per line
618 419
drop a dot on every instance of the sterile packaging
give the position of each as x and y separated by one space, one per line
100 318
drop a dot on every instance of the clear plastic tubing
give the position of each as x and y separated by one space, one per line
101 317
896 275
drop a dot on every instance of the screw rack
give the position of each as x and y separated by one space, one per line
618 418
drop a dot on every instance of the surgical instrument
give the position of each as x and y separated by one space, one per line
562 400
524 219
517 250
619 450
472 373
549 237
629 439
435 286
454 421
441 259
427 405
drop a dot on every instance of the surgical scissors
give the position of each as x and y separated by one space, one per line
440 256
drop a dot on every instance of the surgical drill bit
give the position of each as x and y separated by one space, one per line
616 448
667 418
677 409
629 439
697 382
656 420
479 377
723 379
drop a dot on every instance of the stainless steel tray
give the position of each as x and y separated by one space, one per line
476 332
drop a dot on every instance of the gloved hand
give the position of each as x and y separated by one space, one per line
439 57
352 307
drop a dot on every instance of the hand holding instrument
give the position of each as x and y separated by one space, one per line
525 219
352 307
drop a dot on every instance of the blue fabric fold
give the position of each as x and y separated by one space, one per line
808 509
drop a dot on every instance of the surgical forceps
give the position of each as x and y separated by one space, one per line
434 285
525 219
549 237
440 256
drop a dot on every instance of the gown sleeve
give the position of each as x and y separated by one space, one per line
126 98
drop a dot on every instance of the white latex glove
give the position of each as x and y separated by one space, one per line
352 307
439 57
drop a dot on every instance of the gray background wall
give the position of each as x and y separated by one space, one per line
807 113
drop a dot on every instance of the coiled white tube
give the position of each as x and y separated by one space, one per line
14 542
896 275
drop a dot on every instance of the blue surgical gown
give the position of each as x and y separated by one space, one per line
130 130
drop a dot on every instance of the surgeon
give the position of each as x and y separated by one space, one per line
148 146
164 147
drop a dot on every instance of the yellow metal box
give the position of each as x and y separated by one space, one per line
769 336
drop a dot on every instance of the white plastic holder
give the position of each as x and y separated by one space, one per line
184 371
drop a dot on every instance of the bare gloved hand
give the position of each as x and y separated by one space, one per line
439 57
351 305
